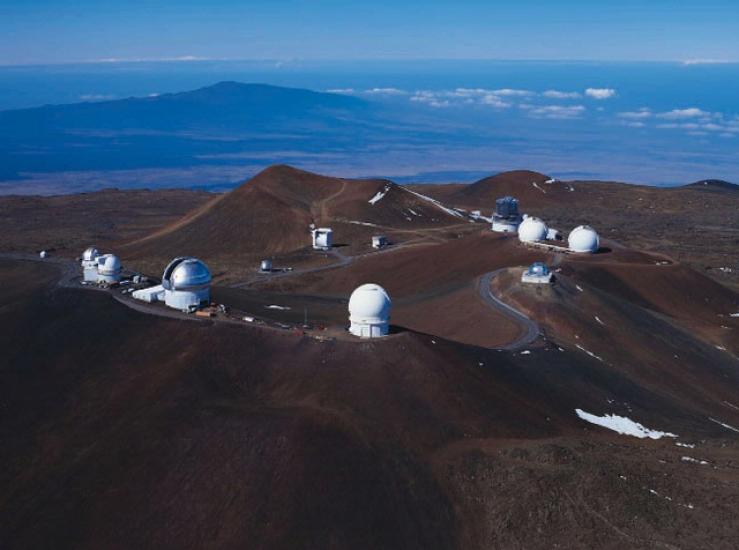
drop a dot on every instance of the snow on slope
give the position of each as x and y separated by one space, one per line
435 203
622 425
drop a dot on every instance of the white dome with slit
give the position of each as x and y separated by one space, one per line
186 282
583 239
532 230
90 254
369 311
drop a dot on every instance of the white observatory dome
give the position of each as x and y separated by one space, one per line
532 230
90 254
109 265
186 282
369 311
583 239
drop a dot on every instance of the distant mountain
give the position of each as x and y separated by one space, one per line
226 124
226 105
715 184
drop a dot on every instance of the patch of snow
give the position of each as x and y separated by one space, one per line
599 321
622 425
693 460
539 188
733 314
727 426
731 405
551 180
686 445
476 215
413 212
525 352
578 287
722 348
436 203
283 308
378 196
364 223
590 353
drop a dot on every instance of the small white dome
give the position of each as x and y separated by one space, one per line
109 264
583 239
90 254
186 273
532 230
369 303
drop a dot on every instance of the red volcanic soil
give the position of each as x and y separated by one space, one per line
135 431
271 214
530 188
130 430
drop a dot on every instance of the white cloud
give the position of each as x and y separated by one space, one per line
636 115
510 92
556 94
600 93
634 124
678 114
385 91
340 91
706 61
558 112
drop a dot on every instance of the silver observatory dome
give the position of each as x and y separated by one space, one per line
186 273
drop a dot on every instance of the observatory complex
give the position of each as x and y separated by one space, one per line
369 311
186 283
322 238
584 240
89 265
537 273
506 218
108 269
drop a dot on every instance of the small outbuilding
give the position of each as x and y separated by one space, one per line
265 266
322 238
379 241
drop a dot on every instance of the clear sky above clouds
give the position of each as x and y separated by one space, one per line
57 31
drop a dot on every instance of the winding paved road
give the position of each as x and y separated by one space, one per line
531 328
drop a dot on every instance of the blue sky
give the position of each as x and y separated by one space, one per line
55 31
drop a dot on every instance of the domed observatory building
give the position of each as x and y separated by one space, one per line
186 282
89 265
537 273
108 269
583 240
369 311
532 230
506 218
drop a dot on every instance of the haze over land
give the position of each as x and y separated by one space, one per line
655 123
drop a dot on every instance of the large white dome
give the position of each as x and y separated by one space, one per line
186 273
90 254
532 230
583 239
109 264
369 303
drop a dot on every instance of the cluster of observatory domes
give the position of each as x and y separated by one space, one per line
583 239
100 268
